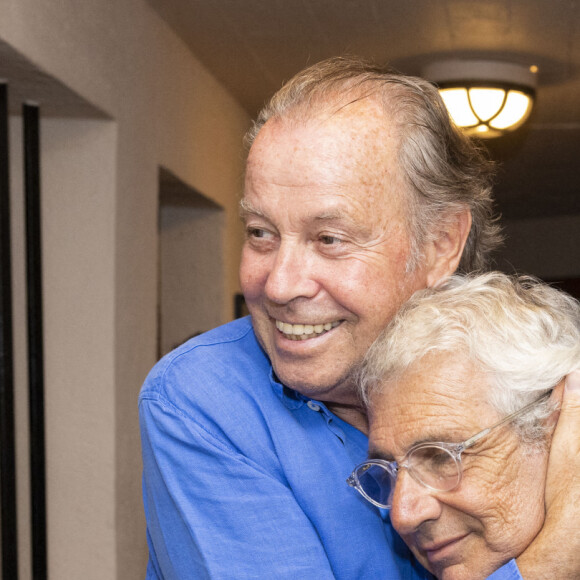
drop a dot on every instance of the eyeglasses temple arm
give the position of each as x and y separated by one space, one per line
469 442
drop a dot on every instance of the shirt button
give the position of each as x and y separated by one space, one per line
313 406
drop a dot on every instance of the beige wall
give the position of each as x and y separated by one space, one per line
100 234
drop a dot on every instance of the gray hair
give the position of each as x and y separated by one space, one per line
445 171
521 333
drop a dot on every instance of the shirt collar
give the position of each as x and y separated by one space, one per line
290 398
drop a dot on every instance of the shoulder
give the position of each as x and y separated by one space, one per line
219 369
216 387
224 352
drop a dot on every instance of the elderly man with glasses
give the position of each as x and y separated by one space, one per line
463 388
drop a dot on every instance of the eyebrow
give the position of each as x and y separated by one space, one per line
246 208
334 215
376 454
331 215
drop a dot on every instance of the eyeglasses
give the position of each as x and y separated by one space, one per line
435 465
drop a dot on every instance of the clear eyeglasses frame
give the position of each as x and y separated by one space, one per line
435 465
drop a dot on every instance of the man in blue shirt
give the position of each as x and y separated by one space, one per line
358 192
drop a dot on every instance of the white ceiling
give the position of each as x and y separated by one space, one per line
252 46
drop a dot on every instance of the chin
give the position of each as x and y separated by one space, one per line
310 385
467 571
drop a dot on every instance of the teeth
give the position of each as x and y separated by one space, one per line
304 331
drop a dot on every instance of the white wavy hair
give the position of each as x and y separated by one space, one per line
521 333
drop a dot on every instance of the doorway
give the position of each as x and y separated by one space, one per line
191 286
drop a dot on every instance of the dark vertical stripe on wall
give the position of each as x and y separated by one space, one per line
30 115
7 447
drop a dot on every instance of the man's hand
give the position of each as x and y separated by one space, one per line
555 552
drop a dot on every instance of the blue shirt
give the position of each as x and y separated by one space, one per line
245 478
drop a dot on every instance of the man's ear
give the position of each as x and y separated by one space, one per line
444 253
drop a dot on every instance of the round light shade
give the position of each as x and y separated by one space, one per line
484 98
487 111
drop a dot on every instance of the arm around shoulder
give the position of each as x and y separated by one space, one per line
555 552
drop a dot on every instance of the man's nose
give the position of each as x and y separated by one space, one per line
412 504
292 274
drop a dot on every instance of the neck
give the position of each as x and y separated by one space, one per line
354 415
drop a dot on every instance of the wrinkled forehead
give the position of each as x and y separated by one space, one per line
357 137
434 385
347 159
443 398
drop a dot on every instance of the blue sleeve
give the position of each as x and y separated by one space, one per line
508 571
214 513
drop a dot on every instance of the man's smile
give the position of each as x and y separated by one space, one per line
305 331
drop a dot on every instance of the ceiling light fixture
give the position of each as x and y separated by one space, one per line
486 99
